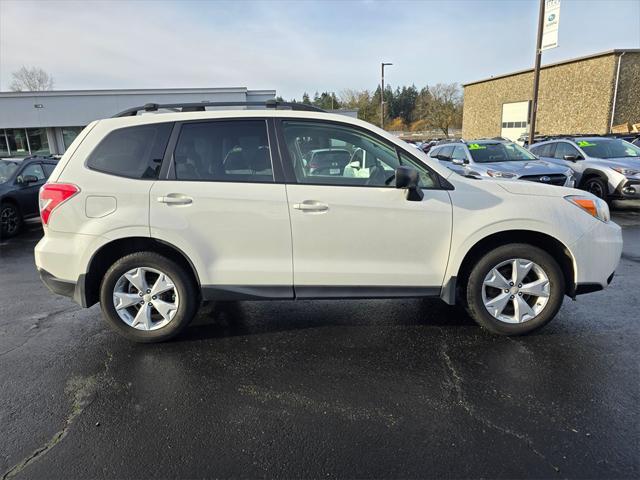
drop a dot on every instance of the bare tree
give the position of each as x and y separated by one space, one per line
444 109
33 79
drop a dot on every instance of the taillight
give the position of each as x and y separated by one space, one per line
52 195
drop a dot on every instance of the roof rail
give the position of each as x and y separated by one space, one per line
201 106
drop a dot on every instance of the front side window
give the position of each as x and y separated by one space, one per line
563 149
132 152
35 170
458 153
498 152
224 151
48 169
608 148
328 154
445 153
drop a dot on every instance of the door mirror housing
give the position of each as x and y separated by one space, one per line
26 179
457 161
573 158
408 178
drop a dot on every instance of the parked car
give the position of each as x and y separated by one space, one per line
20 180
498 158
607 167
128 226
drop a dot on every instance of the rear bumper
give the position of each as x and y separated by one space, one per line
73 290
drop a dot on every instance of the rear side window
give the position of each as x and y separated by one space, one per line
132 152
224 151
543 150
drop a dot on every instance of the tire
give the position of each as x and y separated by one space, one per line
541 309
176 306
597 186
10 220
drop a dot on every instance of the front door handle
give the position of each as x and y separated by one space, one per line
176 199
311 206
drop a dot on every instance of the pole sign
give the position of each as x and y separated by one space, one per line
551 24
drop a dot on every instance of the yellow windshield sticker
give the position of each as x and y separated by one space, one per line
476 146
585 143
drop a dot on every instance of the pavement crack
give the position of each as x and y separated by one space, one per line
83 391
458 387
39 320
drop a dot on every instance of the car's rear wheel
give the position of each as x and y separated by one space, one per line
10 220
515 289
148 298
596 186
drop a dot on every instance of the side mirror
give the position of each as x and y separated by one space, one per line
407 178
573 158
458 161
26 179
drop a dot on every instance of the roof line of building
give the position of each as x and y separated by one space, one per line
131 91
562 62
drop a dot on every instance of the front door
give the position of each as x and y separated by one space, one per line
222 208
27 193
354 233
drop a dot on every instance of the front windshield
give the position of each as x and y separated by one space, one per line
498 152
608 148
7 169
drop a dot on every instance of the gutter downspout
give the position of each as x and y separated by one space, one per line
615 92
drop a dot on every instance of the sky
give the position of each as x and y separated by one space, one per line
294 46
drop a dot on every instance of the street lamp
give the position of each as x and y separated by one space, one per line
382 94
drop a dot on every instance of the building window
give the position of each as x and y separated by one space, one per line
18 144
69 134
38 141
4 148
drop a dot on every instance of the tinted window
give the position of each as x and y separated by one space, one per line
459 153
133 152
445 153
48 169
543 150
331 154
227 151
564 148
34 169
7 169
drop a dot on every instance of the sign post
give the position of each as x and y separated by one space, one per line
548 23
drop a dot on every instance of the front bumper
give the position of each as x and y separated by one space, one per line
596 256
73 290
629 188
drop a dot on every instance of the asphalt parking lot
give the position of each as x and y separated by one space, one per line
401 388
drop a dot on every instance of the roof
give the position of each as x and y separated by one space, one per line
134 91
555 64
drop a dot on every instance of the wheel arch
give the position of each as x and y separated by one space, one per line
549 244
110 252
590 173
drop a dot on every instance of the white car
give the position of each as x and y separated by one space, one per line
151 214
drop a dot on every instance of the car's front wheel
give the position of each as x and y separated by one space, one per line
515 289
597 186
148 298
10 220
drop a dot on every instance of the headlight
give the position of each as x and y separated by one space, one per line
499 174
595 207
627 172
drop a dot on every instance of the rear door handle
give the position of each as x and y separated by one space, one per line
311 206
176 199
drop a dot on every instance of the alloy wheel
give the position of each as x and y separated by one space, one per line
9 220
145 298
595 187
516 290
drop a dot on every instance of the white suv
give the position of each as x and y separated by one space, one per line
152 214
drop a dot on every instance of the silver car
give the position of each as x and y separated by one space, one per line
500 159
605 166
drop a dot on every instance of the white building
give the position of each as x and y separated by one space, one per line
43 123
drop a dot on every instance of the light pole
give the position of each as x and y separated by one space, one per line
536 76
382 94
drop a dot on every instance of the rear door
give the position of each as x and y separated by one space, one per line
222 203
354 233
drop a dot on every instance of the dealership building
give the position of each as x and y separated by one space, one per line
43 123
582 95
